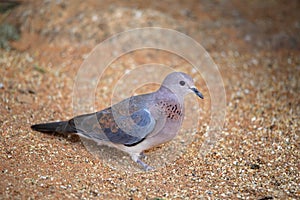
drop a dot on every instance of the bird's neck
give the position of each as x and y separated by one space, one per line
167 94
170 104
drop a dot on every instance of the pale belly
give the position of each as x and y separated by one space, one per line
167 133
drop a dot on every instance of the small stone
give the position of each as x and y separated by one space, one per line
254 166
209 192
43 177
63 187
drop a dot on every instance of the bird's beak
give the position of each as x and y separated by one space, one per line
199 94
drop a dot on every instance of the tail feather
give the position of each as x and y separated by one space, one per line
55 127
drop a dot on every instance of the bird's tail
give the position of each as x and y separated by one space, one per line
55 127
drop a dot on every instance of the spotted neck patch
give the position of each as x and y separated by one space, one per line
172 110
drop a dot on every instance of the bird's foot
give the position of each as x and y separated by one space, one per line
144 165
137 158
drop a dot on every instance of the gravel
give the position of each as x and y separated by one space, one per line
256 46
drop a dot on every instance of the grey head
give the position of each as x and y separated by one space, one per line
181 84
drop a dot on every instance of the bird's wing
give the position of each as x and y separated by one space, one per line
109 125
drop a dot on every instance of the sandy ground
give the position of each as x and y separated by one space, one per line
256 45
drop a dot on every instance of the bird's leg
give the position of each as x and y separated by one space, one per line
142 155
144 165
136 158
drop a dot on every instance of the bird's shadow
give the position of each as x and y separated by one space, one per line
69 137
114 158
118 160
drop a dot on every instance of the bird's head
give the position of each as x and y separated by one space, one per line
181 84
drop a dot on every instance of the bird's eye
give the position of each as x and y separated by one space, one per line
182 83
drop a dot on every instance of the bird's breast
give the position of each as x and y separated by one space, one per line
173 111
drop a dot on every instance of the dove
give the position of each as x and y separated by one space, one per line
135 124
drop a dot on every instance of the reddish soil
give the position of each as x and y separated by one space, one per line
256 45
